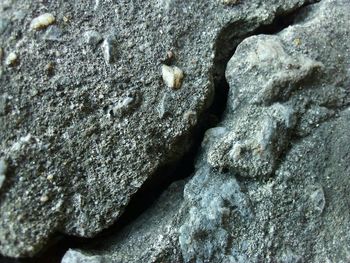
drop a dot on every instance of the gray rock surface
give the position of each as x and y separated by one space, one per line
271 183
84 121
287 122
152 237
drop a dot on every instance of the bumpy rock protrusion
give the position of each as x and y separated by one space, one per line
272 86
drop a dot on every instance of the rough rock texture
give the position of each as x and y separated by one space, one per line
85 118
137 242
287 125
287 117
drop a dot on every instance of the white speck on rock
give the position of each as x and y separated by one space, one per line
49 177
123 104
44 198
109 49
42 21
3 169
22 141
172 76
11 59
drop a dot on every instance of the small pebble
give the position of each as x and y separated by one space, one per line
230 2
124 104
11 59
3 169
172 76
49 177
50 68
164 106
170 54
109 49
53 33
297 41
190 117
92 38
66 19
44 198
42 21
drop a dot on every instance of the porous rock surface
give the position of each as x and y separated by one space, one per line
85 118
271 182
152 237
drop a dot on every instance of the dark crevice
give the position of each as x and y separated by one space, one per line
226 44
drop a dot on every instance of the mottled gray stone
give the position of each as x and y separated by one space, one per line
153 237
92 38
281 87
73 167
290 95
53 33
288 112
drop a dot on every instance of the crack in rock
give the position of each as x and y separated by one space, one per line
300 214
95 133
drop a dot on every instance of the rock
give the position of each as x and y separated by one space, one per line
4 23
152 237
73 256
294 210
99 163
109 48
92 38
11 59
213 200
126 104
3 169
3 104
300 212
53 33
42 21
172 76
269 77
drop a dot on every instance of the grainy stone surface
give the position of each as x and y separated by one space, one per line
100 121
137 243
283 196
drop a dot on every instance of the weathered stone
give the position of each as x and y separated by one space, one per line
152 237
273 96
97 163
293 212
53 33
289 94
